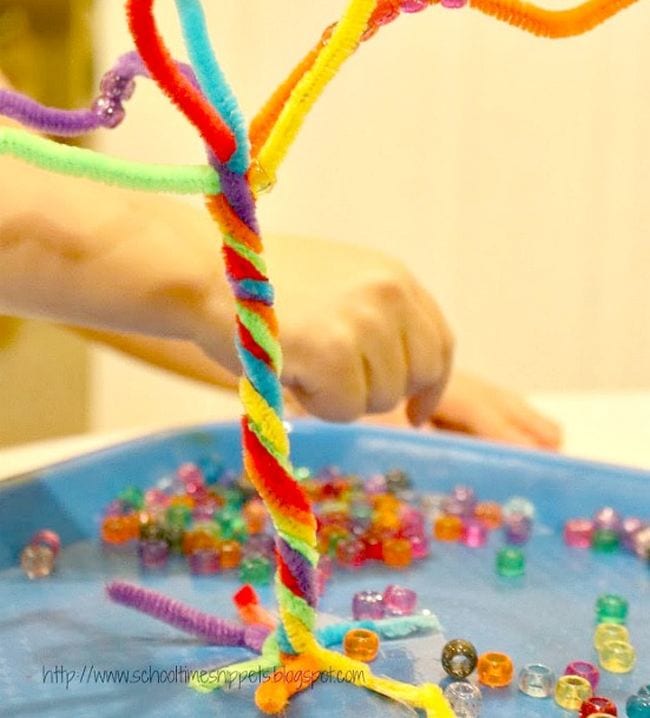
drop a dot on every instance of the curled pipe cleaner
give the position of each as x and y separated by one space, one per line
64 123
210 629
212 80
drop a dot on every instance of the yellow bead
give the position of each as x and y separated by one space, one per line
606 632
361 644
572 691
448 528
617 657
398 552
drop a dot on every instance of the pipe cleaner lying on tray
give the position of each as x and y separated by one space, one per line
240 165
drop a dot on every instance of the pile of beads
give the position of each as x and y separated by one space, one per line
37 559
394 601
612 640
638 706
607 531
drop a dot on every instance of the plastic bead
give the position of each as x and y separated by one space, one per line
132 496
453 4
537 680
510 562
578 533
255 516
464 698
641 543
46 537
459 658
174 536
518 506
399 600
256 570
586 670
572 691
265 545
517 529
617 657
644 690
638 706
495 670
120 529
178 515
229 554
350 553
397 552
605 541
474 534
629 528
368 604
606 632
611 608
598 705
204 562
419 546
414 5
361 645
153 554
397 481
465 498
607 519
448 528
489 514
37 561
116 86
198 540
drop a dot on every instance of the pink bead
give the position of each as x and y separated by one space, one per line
607 518
475 534
192 478
376 484
399 601
204 562
350 553
414 5
584 669
48 538
453 4
412 521
578 533
156 499
419 545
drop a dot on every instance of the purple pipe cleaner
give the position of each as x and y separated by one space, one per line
301 570
211 629
63 123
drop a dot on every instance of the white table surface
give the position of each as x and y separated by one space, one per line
604 427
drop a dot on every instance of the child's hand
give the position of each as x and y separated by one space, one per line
473 406
358 331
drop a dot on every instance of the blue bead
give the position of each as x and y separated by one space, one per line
638 706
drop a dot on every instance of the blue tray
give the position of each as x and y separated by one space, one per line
59 636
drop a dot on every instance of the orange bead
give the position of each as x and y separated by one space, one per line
255 516
386 521
361 644
398 552
120 529
329 536
385 502
448 528
199 540
495 670
187 501
230 554
489 514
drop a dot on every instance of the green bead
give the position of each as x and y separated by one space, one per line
234 498
133 496
605 541
360 510
511 562
302 473
152 531
256 570
180 516
174 536
611 608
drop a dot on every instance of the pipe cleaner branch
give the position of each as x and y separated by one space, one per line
80 162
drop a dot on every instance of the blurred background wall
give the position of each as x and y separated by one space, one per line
509 173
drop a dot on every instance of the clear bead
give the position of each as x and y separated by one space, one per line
537 680
37 561
464 698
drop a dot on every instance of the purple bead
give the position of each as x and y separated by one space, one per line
453 4
578 533
204 562
368 604
517 530
475 534
460 502
262 544
641 542
399 601
204 511
607 518
117 507
110 112
376 484
630 526
414 5
117 87
153 554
